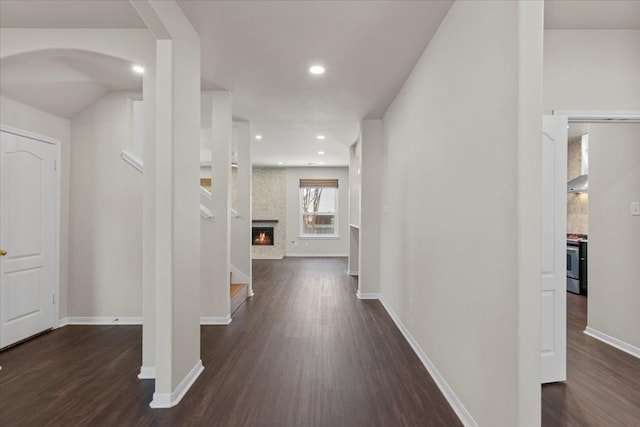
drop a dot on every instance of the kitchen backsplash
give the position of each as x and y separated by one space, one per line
577 203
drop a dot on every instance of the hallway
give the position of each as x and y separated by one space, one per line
303 351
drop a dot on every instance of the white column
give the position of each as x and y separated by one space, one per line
216 231
370 209
241 224
354 208
148 370
177 200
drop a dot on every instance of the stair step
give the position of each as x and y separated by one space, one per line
239 293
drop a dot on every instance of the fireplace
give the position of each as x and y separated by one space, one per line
262 236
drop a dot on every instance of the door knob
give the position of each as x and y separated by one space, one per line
3 252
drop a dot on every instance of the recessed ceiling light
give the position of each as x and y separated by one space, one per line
279 163
321 152
320 137
321 163
316 69
139 69
258 136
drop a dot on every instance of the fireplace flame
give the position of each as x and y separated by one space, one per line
262 239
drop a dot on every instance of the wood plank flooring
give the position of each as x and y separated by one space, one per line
603 383
304 351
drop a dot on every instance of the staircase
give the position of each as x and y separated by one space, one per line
239 293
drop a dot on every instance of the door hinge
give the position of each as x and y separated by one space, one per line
55 165
54 298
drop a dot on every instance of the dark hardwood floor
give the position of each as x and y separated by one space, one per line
603 383
304 351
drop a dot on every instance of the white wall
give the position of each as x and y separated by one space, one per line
105 272
297 246
614 235
591 70
599 70
451 262
18 115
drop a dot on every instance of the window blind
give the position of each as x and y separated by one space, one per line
318 183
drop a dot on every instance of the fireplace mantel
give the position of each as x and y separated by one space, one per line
264 220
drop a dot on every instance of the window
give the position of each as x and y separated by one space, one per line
318 208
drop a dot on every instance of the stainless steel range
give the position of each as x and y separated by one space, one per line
577 263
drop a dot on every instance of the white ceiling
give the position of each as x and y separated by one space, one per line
260 51
65 82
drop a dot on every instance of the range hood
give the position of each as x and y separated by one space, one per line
580 184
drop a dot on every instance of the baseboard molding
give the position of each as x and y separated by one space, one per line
147 373
315 255
266 257
204 320
169 400
613 342
455 403
353 273
100 321
213 320
364 295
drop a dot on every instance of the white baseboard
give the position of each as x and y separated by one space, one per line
364 295
614 342
204 320
315 255
266 257
462 413
168 400
93 320
353 273
213 320
147 373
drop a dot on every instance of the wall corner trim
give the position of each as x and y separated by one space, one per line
147 373
456 404
613 342
213 320
168 400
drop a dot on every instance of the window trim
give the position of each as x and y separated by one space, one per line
336 234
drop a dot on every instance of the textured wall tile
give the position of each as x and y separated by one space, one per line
270 202
578 203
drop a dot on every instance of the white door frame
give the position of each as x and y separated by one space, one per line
598 116
56 235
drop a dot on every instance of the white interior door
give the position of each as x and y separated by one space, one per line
554 246
28 207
